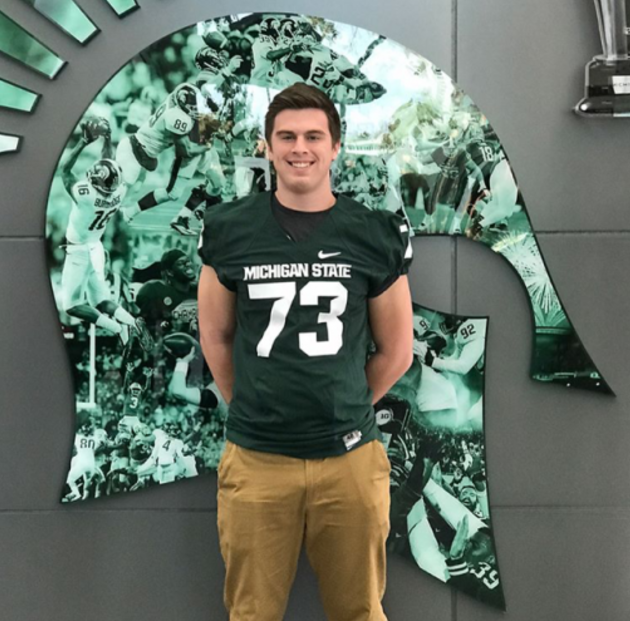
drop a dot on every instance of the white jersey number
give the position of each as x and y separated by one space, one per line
309 296
284 294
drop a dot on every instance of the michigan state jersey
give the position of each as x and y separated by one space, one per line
87 443
484 156
167 308
469 331
91 212
302 334
452 181
158 132
469 348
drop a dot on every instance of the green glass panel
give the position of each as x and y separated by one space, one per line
9 143
68 16
16 97
123 7
17 43
432 421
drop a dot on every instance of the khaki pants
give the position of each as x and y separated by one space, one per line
269 505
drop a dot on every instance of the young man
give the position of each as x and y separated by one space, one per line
289 285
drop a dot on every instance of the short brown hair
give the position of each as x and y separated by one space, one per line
299 97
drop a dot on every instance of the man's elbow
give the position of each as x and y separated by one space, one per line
216 337
399 359
408 359
404 360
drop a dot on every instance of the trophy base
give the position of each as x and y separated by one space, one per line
607 88
604 106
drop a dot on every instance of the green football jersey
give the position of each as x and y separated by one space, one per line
302 332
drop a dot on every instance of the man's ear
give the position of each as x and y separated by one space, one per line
268 151
336 149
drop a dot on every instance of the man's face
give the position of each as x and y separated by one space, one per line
302 150
183 270
135 390
479 549
468 498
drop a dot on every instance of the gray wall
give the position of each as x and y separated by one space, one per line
558 461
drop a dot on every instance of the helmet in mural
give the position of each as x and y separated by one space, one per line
209 58
189 99
105 176
135 389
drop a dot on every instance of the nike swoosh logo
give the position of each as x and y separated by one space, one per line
326 255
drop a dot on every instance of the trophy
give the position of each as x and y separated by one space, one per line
607 90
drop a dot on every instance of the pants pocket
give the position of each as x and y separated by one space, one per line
223 462
380 449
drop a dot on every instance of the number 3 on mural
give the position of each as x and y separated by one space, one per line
284 294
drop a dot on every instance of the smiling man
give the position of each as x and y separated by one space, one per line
295 286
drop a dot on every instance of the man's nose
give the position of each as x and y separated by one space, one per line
300 145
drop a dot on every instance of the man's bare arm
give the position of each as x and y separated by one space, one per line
217 325
391 322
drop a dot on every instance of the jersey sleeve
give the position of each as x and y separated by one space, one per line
209 400
472 330
211 243
82 193
482 584
395 253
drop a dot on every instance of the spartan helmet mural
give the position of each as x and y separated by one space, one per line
413 143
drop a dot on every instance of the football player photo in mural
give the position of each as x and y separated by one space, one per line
432 427
179 131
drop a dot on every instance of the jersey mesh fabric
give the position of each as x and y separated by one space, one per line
302 334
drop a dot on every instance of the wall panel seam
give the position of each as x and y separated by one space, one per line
22 237
454 40
623 510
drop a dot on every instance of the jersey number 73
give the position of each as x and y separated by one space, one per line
284 293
